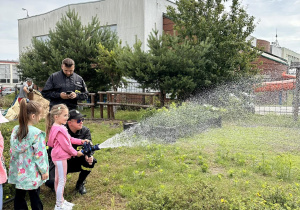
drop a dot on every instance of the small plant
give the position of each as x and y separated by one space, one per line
283 166
155 157
231 173
264 166
138 174
204 167
240 159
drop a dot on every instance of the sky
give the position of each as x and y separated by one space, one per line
270 16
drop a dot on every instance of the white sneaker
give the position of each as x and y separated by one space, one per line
58 207
66 206
66 203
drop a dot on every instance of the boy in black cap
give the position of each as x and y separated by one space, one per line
81 164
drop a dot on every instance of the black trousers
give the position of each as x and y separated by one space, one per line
20 202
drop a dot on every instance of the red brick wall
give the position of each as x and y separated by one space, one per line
168 25
264 44
271 68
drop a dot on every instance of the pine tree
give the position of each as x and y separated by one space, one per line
230 55
106 63
69 39
167 67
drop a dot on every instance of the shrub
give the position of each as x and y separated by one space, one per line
6 129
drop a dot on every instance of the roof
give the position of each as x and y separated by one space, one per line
274 58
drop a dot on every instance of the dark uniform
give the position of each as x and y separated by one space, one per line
75 164
58 82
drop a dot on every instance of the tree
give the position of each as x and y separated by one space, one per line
167 67
106 63
230 55
69 39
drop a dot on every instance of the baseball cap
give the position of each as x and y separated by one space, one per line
74 114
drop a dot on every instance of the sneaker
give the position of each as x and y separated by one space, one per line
66 206
58 207
66 203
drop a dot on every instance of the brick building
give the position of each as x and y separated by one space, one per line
271 66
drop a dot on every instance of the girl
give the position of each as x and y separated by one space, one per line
61 142
29 167
3 175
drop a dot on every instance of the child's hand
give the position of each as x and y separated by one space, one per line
79 153
85 140
45 176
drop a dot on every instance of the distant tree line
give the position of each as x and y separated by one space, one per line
208 48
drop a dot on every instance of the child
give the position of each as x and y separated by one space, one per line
3 175
29 167
61 142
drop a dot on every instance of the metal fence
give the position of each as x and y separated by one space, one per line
275 97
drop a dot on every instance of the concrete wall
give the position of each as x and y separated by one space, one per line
290 55
276 50
134 19
154 10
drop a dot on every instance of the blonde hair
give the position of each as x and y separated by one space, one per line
56 110
27 108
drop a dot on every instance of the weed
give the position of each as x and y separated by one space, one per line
283 166
155 156
264 166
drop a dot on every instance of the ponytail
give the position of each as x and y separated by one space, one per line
23 120
49 123
26 110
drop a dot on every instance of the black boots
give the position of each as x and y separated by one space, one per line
81 181
81 188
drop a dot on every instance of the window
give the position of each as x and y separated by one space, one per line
4 73
42 38
113 28
15 74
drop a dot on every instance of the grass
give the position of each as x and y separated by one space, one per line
247 164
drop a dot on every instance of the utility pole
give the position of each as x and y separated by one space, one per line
296 65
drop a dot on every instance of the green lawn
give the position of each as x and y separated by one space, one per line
247 164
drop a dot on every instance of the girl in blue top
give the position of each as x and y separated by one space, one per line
29 166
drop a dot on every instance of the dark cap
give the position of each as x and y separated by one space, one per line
74 114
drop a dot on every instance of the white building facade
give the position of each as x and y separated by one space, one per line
8 73
131 19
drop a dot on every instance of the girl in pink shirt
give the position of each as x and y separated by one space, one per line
61 142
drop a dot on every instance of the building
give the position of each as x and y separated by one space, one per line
272 66
284 53
130 19
290 55
8 73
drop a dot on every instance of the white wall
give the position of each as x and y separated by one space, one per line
154 10
134 18
276 50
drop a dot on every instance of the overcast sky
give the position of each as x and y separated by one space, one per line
270 15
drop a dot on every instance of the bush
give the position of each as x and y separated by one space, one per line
6 129
6 101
